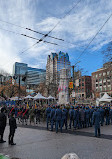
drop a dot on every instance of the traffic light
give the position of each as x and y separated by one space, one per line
24 78
14 77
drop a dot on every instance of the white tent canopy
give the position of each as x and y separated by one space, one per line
28 97
39 96
15 98
105 98
50 97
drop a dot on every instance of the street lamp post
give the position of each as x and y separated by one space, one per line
74 78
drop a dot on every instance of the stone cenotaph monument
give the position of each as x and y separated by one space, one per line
63 86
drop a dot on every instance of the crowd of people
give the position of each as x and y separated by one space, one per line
79 117
57 117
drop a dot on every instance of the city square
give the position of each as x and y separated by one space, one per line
37 142
55 79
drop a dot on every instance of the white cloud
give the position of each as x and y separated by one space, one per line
78 28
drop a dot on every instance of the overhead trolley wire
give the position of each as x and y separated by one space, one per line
45 35
94 37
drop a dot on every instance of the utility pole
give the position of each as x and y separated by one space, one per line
74 78
19 89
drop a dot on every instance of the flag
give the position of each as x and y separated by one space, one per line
35 106
27 106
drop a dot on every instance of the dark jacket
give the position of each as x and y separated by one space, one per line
58 114
96 119
12 123
82 114
2 120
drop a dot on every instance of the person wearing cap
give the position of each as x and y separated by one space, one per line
87 116
13 127
3 121
76 118
64 117
52 117
48 111
58 115
102 113
82 117
107 115
96 121
111 115
71 115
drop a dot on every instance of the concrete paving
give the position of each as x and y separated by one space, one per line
35 142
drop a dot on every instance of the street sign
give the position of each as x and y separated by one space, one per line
77 82
73 94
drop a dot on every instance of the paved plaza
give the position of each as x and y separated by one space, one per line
35 142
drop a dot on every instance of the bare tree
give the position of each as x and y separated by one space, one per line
108 53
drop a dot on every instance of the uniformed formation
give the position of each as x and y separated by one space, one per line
78 117
57 117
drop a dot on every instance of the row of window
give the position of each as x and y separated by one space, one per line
103 74
104 80
103 89
104 84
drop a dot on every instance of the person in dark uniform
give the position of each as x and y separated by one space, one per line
64 117
2 124
71 115
13 126
107 115
96 121
58 115
52 117
48 111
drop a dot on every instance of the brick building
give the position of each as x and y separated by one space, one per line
102 81
83 87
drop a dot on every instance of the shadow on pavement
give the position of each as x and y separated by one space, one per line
72 132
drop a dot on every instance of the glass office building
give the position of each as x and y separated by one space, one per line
33 75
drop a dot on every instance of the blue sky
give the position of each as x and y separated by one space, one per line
77 29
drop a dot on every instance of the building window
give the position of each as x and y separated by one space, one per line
104 88
104 83
101 89
104 80
96 80
100 84
96 75
100 75
108 72
82 90
97 89
104 73
96 85
82 84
